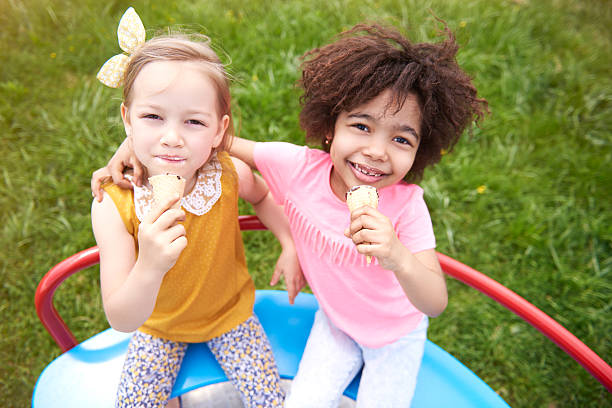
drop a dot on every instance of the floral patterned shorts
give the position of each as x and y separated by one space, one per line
152 365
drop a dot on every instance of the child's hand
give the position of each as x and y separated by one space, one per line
122 159
161 238
374 235
289 266
98 178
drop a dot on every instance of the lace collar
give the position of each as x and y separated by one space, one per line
199 201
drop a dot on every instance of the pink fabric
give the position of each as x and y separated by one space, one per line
364 301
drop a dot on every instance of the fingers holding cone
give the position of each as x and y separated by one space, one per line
359 196
166 186
167 191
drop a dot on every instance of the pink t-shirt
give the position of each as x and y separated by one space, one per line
364 301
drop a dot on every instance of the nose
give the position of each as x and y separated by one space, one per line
376 148
172 137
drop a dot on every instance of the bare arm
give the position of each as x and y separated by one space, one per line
422 279
124 158
243 149
130 284
419 274
254 190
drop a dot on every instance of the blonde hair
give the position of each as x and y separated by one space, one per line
182 47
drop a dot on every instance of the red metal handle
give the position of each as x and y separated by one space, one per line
43 299
532 315
250 223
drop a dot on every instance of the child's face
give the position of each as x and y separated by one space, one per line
373 145
173 120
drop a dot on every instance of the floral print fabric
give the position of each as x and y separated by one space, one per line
152 365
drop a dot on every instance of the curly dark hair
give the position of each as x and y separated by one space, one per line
369 59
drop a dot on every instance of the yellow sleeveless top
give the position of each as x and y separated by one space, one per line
208 291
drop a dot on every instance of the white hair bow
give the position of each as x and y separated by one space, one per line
131 35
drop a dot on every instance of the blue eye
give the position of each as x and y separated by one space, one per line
195 122
402 140
151 116
361 126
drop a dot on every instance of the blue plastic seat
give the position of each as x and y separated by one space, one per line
88 374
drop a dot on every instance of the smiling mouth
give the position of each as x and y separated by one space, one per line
171 158
368 171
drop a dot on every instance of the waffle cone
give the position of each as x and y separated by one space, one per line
165 186
359 196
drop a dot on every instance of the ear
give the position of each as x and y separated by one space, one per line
223 124
328 140
126 121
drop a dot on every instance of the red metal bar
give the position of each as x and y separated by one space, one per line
43 299
569 343
250 223
532 315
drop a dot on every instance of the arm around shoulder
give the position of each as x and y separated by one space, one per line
244 150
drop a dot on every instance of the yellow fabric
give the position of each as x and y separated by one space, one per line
131 34
208 291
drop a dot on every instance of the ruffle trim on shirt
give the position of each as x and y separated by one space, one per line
199 201
339 252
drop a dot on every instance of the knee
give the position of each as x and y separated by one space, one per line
312 397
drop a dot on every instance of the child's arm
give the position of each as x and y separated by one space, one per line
124 158
130 284
253 189
419 274
243 149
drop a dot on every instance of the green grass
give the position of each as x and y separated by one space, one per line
525 199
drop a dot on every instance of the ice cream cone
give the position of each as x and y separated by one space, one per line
166 185
359 196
